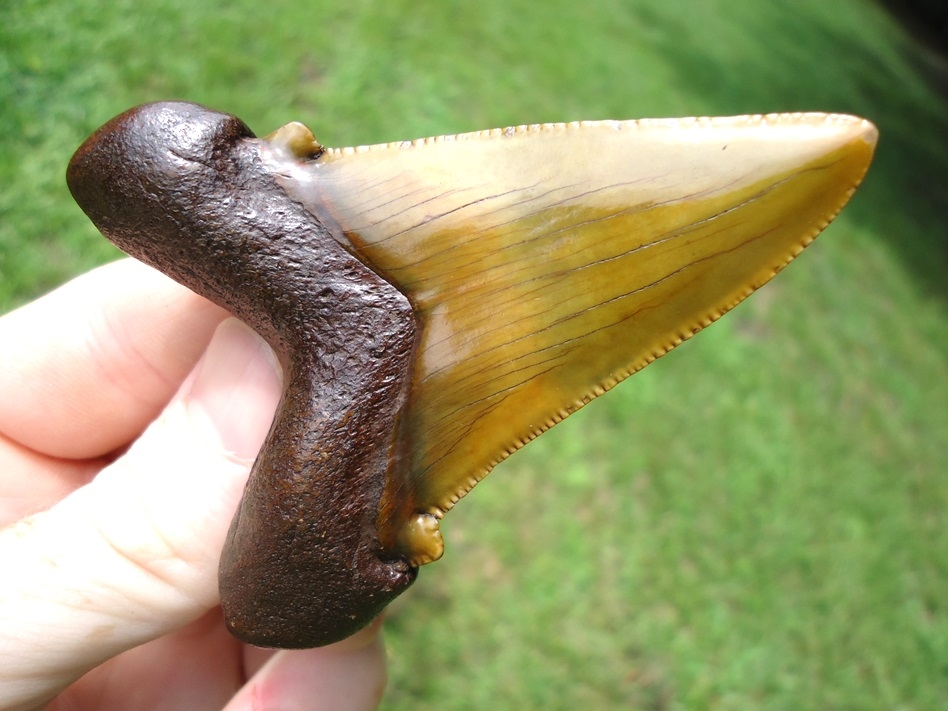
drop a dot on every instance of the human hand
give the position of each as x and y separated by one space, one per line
130 413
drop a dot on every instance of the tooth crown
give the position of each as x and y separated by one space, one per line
547 263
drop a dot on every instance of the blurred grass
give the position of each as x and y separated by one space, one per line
755 521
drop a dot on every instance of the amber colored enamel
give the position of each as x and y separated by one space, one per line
547 263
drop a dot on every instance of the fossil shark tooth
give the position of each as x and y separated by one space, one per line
438 303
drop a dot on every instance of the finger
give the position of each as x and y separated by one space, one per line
88 366
31 482
346 676
51 353
196 668
134 554
254 658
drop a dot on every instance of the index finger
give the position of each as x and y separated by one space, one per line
88 366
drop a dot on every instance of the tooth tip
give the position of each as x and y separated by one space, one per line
868 132
856 127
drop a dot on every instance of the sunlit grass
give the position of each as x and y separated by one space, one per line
755 521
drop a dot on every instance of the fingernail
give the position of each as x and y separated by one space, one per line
235 390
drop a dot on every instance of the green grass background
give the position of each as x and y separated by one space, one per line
757 521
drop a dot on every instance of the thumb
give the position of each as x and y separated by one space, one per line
134 554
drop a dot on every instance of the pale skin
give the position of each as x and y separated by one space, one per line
130 414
